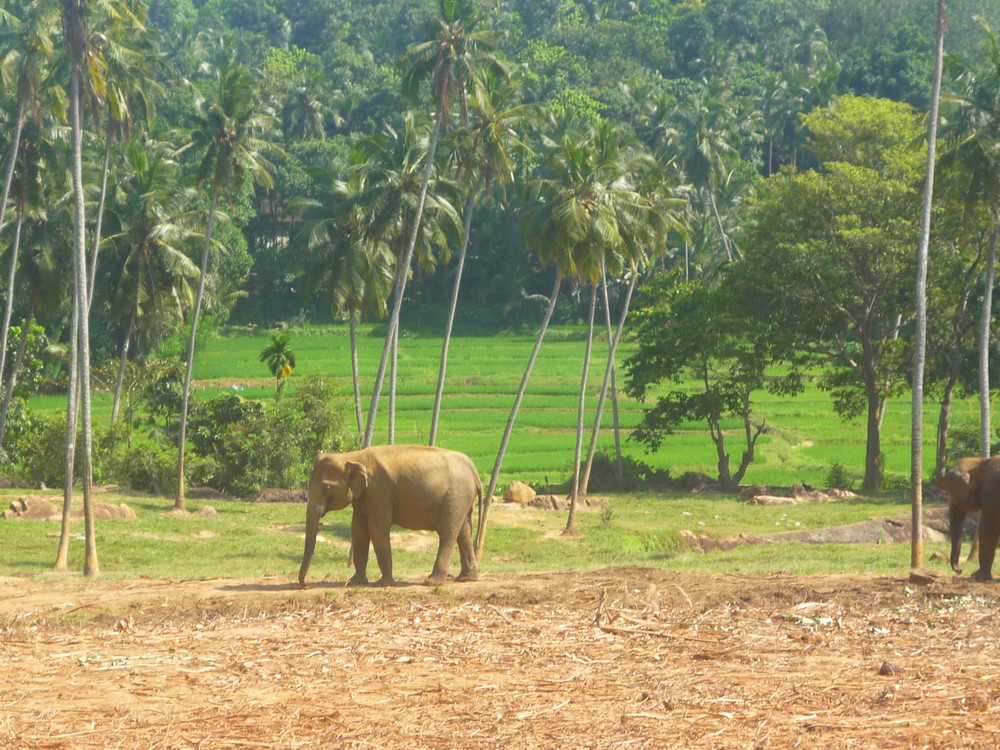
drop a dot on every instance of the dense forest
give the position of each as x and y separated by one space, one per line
753 168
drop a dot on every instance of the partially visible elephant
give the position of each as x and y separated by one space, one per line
973 485
413 486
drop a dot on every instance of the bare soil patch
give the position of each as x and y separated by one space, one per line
616 658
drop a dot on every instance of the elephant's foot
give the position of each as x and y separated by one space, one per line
433 580
358 580
467 575
981 575
385 582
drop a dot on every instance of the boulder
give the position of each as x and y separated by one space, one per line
41 509
519 492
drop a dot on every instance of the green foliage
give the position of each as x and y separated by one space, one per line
246 445
31 373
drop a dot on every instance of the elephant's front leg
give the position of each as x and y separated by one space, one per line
378 530
989 533
360 542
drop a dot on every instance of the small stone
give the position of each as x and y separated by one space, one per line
888 669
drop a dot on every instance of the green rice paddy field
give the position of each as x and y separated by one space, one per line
805 438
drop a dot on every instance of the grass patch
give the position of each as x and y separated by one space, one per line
248 540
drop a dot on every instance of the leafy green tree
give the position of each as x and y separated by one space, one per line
695 333
829 253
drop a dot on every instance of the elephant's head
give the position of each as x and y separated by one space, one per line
963 490
337 481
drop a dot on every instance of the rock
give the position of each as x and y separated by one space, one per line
924 577
207 511
888 669
940 557
547 502
30 509
277 495
39 509
519 492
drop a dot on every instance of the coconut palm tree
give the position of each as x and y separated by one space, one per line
392 194
335 256
231 134
448 59
155 231
971 131
920 348
280 360
75 38
485 158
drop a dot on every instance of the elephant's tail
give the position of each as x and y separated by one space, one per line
479 504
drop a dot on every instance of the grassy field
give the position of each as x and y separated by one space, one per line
805 438
259 539
804 441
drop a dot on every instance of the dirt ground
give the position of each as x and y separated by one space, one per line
616 658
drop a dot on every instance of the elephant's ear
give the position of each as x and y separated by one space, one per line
357 479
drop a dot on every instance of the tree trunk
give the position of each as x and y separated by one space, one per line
9 307
122 361
355 376
873 443
944 418
100 215
722 229
82 331
12 273
920 343
985 429
180 502
393 362
574 494
459 268
400 286
8 393
488 496
609 375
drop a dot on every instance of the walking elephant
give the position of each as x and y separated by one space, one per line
413 486
973 485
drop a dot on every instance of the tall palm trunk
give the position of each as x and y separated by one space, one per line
122 361
12 273
8 393
400 286
355 377
920 354
393 362
574 494
8 310
459 268
609 376
79 395
180 502
100 214
985 428
494 476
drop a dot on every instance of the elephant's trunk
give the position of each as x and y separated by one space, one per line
956 528
313 516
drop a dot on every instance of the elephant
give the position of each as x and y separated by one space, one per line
413 486
973 485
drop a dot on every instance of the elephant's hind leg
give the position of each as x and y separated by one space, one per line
467 553
439 575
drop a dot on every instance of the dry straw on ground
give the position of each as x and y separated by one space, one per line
619 658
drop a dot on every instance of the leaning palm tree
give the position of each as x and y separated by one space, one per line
448 59
573 218
485 157
230 133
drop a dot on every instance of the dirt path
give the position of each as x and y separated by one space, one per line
618 658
